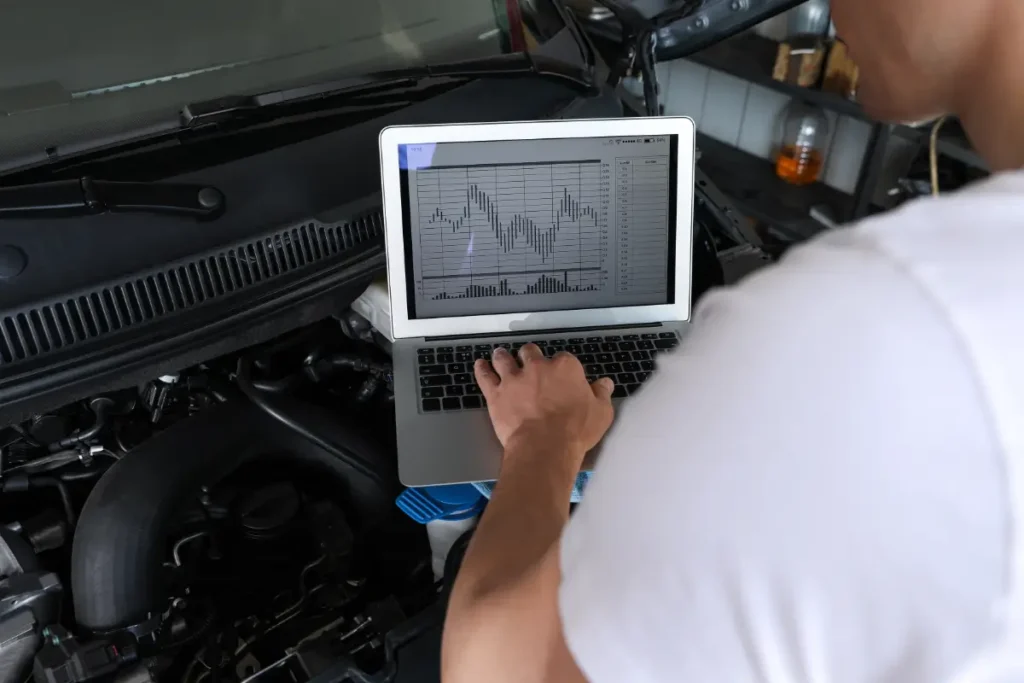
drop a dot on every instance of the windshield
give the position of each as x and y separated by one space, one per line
74 71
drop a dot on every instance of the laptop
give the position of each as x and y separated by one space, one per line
573 234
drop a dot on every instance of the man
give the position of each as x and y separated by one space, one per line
826 481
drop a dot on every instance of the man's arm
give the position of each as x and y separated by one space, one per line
502 622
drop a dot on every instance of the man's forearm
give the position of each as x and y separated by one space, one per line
528 509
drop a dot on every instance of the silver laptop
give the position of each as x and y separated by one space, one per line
576 235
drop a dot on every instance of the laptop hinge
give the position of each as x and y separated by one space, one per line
540 333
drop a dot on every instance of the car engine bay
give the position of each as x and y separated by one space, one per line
229 522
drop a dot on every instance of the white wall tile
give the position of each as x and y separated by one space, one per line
848 146
684 96
724 103
663 70
761 127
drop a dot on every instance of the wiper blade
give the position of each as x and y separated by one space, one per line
86 196
383 83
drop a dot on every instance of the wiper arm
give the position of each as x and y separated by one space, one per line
384 83
86 196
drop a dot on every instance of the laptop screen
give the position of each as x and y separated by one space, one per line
538 225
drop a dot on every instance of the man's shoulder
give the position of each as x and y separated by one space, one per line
976 235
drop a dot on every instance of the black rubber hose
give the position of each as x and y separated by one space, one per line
25 482
62 491
101 409
118 550
261 401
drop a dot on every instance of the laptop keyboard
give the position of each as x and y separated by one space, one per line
446 372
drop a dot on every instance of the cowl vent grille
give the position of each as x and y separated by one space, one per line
32 332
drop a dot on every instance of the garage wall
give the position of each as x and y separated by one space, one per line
749 116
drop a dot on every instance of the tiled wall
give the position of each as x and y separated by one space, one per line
749 116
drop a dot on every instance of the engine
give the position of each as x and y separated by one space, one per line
230 522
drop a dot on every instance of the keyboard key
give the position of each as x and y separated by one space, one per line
555 348
436 381
642 376
661 344
623 378
620 392
541 342
504 345
430 404
667 335
424 350
432 370
517 345
482 347
452 403
445 349
471 402
627 346
621 356
446 358
645 344
472 390
608 346
592 378
453 390
613 338
464 357
592 369
648 336
576 340
482 355
605 358
425 360
456 367
630 337
432 392
631 366
586 358
463 378
647 365
591 348
613 368
632 388
641 355
594 339
463 349
574 349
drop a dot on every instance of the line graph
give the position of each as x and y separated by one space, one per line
539 238
512 229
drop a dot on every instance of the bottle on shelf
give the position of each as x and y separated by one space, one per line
802 150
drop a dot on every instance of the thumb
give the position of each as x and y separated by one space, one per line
603 388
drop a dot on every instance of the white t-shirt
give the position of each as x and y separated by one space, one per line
820 485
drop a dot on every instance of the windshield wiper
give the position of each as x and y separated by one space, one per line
86 196
384 87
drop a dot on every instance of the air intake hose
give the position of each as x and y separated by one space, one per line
120 542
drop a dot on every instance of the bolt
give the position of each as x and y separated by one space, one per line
700 23
738 5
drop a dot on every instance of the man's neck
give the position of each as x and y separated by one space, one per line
991 107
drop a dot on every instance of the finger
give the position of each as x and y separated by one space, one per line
486 377
603 388
530 353
504 364
566 357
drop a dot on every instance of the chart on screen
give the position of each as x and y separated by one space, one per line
501 230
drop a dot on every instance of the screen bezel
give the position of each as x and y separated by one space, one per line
404 326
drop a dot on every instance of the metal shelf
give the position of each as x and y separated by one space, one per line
760 194
752 58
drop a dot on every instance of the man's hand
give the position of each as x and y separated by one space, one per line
545 401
